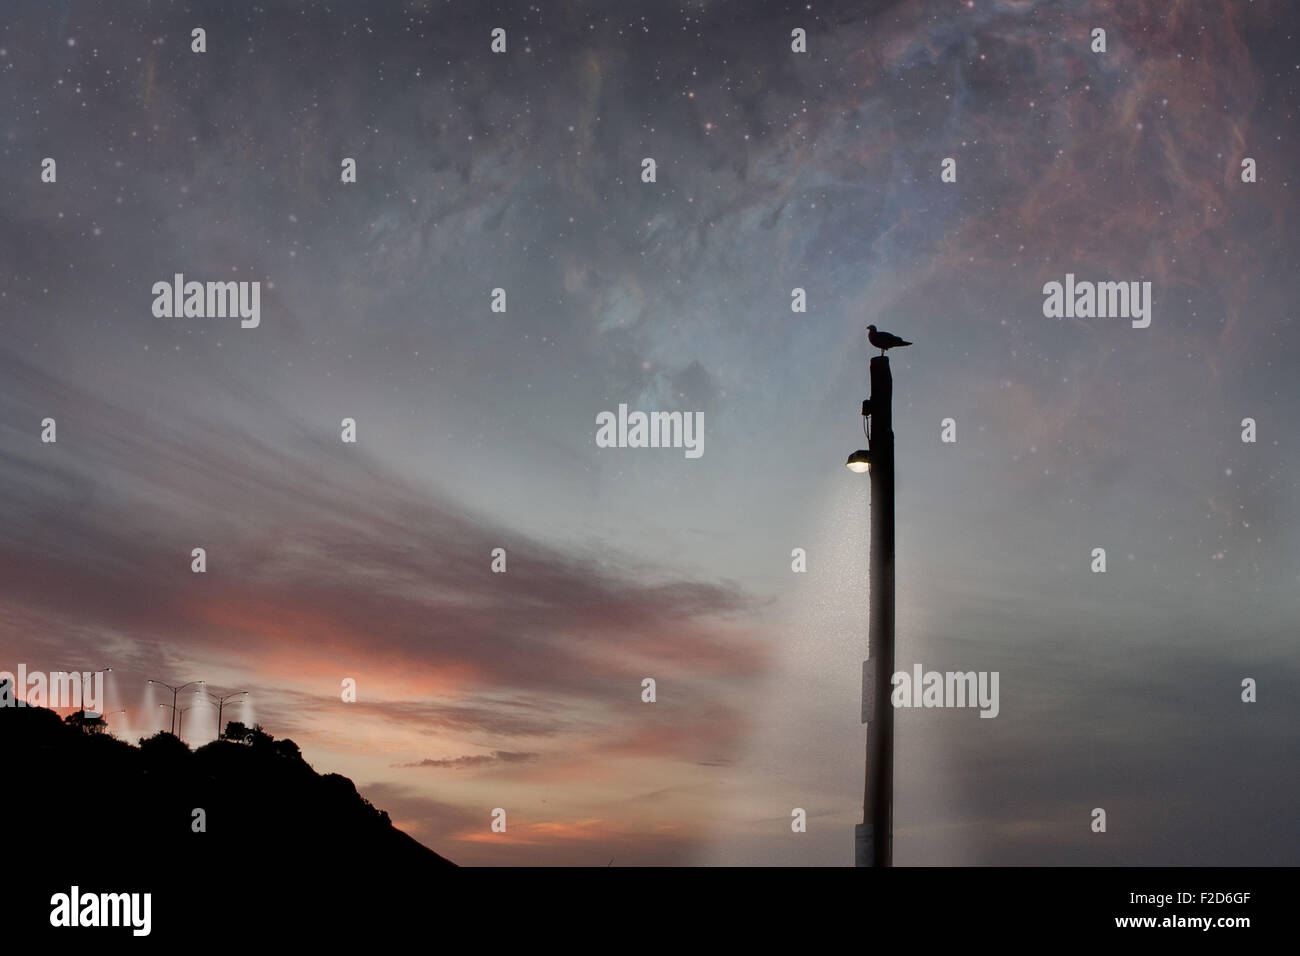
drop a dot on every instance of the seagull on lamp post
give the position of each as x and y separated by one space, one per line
884 340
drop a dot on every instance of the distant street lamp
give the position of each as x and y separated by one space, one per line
179 717
221 702
175 691
84 675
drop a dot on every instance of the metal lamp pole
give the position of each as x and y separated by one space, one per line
83 676
120 710
874 836
221 702
175 691
178 716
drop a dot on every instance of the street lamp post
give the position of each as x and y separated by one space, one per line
874 836
221 702
179 717
175 691
83 675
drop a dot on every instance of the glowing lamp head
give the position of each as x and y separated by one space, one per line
859 462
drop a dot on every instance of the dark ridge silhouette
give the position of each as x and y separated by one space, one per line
86 808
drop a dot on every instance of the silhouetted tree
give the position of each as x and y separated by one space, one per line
236 731
164 746
90 723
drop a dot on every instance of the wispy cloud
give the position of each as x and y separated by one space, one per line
472 760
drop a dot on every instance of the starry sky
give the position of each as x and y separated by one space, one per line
476 429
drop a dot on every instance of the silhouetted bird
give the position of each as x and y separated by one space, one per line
884 340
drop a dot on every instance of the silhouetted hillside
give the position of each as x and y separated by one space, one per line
93 810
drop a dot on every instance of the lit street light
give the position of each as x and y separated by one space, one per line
175 691
179 717
84 675
221 702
